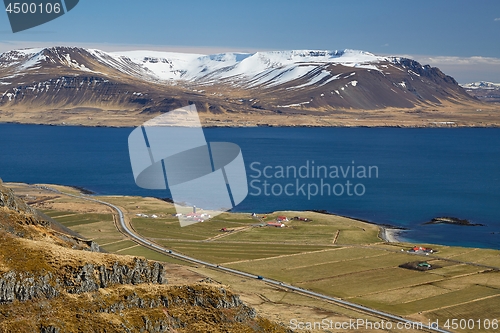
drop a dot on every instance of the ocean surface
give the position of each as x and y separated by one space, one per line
402 177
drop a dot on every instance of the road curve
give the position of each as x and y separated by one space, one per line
143 241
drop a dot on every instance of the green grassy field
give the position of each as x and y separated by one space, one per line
228 252
473 254
82 219
118 246
493 261
55 213
293 234
358 266
152 255
355 285
456 270
163 228
482 312
430 302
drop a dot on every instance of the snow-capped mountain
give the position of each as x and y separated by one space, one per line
277 81
261 68
484 91
481 85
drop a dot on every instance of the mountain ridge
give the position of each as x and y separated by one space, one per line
165 66
481 84
57 83
484 91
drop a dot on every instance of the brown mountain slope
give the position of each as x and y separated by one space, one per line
48 284
89 87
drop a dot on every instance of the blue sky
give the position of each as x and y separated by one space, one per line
460 37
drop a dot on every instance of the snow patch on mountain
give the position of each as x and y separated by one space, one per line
481 85
266 69
164 65
244 70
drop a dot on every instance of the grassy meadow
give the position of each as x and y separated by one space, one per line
332 255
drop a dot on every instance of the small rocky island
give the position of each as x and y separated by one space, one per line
453 220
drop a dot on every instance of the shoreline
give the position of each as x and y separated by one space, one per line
435 125
388 233
391 235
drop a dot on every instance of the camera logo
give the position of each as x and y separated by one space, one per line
25 15
171 151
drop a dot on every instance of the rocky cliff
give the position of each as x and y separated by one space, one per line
48 284
24 286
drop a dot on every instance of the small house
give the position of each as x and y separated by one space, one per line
275 224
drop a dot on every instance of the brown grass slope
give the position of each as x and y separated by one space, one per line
51 282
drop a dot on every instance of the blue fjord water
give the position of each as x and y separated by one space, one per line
416 174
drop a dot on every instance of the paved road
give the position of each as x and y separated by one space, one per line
145 242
